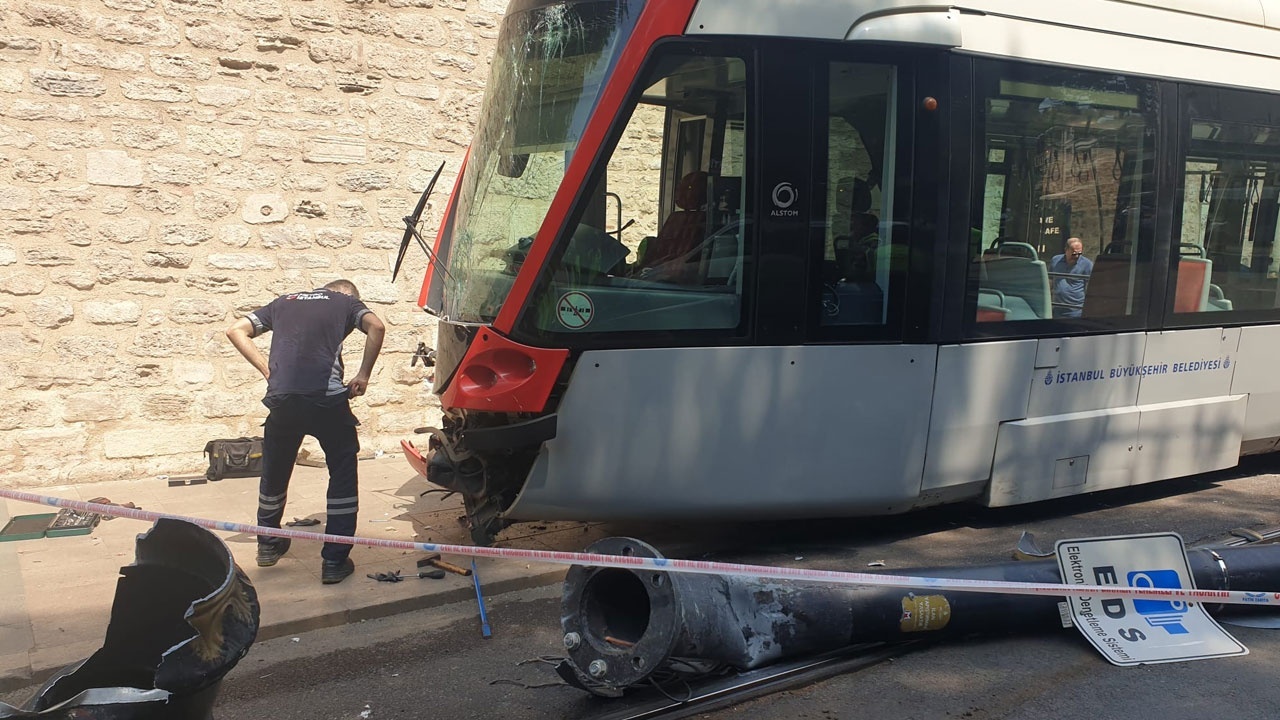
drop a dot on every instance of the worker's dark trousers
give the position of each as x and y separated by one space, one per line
335 429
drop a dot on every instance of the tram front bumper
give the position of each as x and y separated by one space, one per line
440 469
456 464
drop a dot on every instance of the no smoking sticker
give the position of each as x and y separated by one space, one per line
574 310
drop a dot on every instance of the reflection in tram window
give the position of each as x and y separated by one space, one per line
860 141
661 244
1226 254
1060 225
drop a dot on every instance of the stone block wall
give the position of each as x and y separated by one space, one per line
167 166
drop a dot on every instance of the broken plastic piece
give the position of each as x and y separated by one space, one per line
1028 549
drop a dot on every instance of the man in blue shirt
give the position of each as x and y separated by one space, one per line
306 396
1068 291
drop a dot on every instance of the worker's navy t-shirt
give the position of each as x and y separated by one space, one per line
306 343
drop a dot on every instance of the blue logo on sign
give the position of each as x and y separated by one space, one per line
1256 598
1227 363
1166 614
1048 378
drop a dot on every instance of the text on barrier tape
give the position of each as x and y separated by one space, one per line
700 567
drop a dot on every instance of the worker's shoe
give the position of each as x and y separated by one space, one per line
269 551
335 571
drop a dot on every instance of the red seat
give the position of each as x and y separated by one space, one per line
1192 290
986 314
686 227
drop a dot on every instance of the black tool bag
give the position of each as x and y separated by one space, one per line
234 457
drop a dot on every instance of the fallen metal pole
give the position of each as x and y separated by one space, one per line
620 626
184 614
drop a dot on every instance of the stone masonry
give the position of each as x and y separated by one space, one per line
167 166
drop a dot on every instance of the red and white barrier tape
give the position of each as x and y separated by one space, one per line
1222 597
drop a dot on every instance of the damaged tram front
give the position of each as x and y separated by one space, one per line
654 234
728 259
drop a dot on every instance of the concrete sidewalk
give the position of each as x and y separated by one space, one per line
56 593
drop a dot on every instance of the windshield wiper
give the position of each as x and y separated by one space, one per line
411 231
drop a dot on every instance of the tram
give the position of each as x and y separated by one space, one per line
735 259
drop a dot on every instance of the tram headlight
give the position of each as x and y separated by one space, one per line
496 371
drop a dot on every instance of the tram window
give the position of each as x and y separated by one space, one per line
1227 258
661 244
1066 178
858 260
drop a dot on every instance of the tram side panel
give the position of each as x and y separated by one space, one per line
1081 425
978 387
737 433
1114 411
1257 374
1191 422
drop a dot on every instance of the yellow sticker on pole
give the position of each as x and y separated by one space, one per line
922 613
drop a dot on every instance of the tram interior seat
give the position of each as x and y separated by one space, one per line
1107 293
1217 299
1023 284
1011 248
685 228
1191 294
991 306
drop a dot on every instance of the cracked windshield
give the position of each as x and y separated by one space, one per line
550 65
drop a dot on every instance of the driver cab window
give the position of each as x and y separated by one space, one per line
661 242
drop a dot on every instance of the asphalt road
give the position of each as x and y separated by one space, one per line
434 664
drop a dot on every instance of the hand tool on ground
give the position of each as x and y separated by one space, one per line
484 617
435 561
395 576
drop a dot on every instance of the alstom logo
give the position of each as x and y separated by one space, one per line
784 196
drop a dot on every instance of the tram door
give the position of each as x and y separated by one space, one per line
872 162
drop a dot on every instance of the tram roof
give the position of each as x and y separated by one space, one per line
826 18
1232 41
